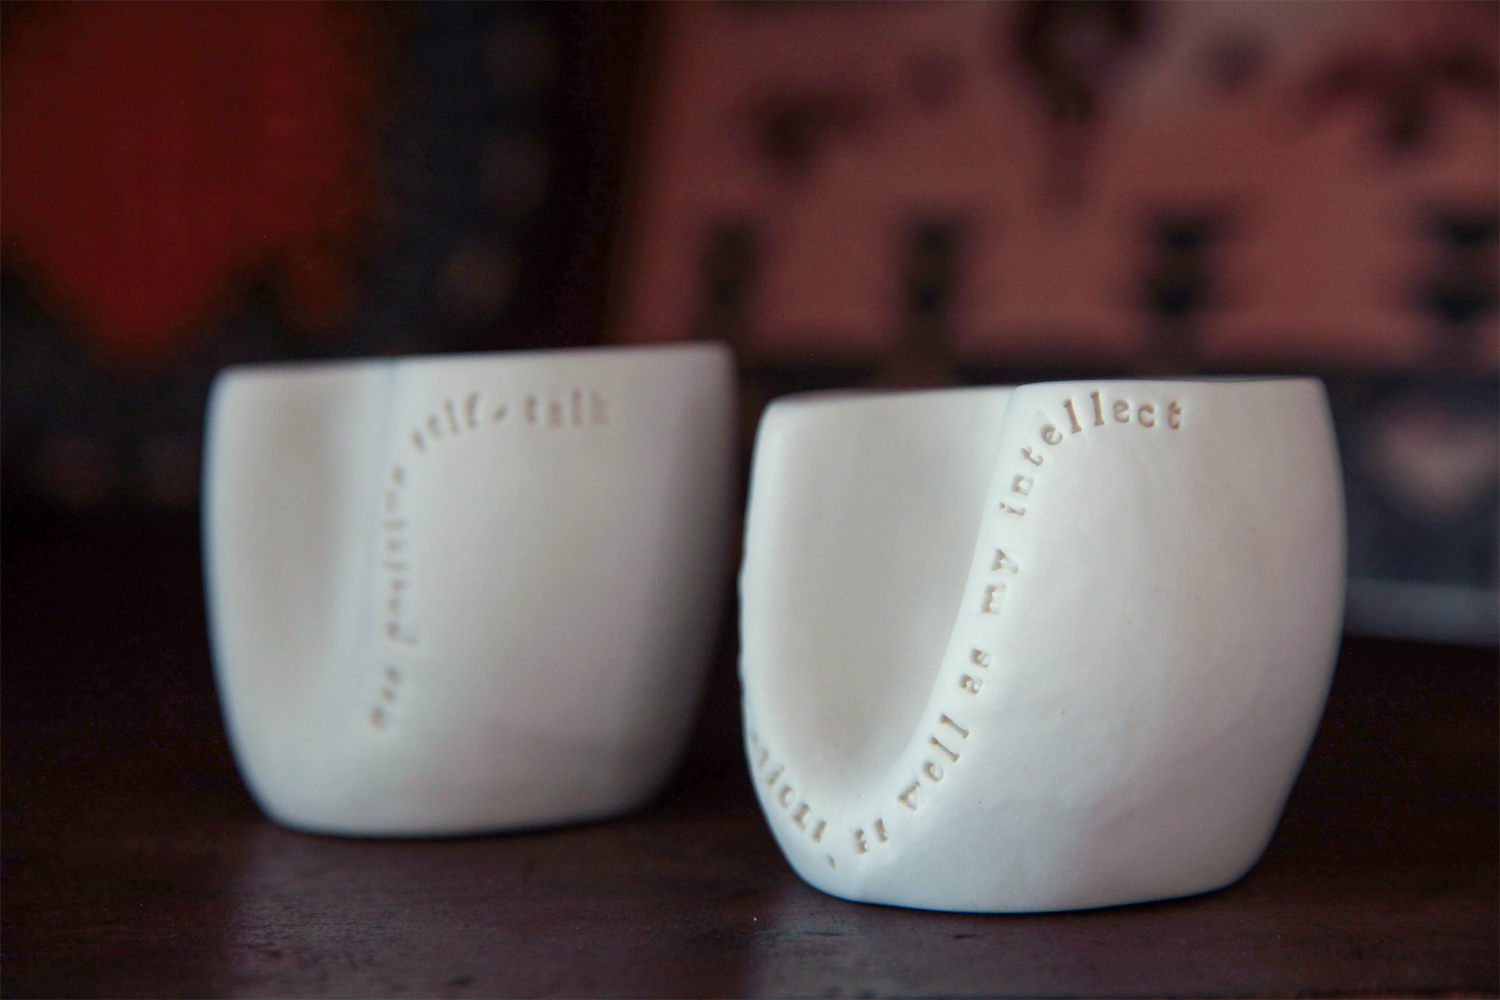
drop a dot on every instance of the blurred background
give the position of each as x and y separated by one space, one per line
875 195
192 185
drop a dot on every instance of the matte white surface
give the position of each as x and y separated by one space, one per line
465 593
1001 656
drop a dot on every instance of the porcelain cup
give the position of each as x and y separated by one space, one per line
1038 648
465 593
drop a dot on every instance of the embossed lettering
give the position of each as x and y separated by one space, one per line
1031 456
993 595
1021 485
1174 415
817 834
933 771
1002 561
980 658
1098 409
452 417
799 815
378 714
880 830
860 846
784 796
1072 417
934 741
970 683
774 775
1122 411
907 797
1140 415
1051 435
960 730
1021 512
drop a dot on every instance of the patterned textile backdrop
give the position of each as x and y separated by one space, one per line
941 194
189 185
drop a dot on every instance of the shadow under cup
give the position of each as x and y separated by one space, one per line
466 593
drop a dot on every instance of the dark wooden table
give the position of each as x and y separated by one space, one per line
136 865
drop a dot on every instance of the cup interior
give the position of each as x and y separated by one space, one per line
864 519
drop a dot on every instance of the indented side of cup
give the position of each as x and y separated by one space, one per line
1141 634
466 593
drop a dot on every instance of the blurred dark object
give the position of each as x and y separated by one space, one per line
792 129
727 273
1071 51
1179 287
1404 87
1070 48
1461 291
931 279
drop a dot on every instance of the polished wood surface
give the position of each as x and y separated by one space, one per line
136 865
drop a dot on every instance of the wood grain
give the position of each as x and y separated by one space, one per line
135 864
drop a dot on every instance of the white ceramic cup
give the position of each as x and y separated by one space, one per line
1052 647
465 593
